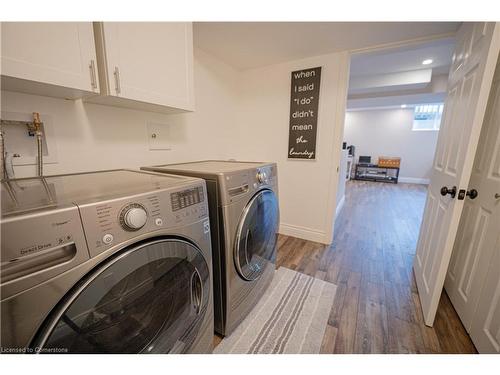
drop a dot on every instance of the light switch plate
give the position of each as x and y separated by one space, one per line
158 136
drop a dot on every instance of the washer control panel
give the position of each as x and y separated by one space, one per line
109 223
186 198
133 217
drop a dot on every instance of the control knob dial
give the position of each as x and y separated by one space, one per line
133 217
261 177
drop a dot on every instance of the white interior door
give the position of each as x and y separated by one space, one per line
469 84
485 329
477 239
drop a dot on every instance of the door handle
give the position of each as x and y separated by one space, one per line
452 192
118 88
93 78
472 194
497 196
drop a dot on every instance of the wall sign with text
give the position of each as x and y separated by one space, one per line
304 99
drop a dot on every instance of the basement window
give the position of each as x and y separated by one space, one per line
427 116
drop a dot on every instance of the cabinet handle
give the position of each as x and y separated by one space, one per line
93 78
117 80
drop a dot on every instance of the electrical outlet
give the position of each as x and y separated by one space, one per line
158 136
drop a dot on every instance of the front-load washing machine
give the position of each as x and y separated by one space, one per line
244 217
106 262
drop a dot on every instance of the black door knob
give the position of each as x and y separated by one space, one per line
472 193
452 191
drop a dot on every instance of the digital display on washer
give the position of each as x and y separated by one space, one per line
186 198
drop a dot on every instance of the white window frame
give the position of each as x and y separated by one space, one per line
432 108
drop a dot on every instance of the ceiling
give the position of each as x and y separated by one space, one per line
393 77
409 100
246 45
405 59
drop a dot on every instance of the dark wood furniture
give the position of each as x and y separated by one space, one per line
373 172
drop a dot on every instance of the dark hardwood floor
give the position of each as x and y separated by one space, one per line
376 308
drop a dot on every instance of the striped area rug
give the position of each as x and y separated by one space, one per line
290 318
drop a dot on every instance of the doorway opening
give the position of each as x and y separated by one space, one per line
393 117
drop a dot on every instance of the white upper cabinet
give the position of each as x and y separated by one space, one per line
49 58
145 65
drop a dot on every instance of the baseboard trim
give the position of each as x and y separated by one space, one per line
412 180
304 233
340 204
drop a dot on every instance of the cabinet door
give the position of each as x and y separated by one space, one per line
60 54
151 62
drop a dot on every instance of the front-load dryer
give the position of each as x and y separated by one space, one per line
106 262
244 217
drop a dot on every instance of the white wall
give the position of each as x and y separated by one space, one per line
95 137
240 115
307 188
387 132
341 183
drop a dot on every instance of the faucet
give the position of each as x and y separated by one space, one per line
34 128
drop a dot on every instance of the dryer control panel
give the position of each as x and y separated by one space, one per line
237 185
109 223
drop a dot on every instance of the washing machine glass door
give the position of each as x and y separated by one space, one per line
256 235
150 298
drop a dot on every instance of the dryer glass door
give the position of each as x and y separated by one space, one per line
255 245
150 298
